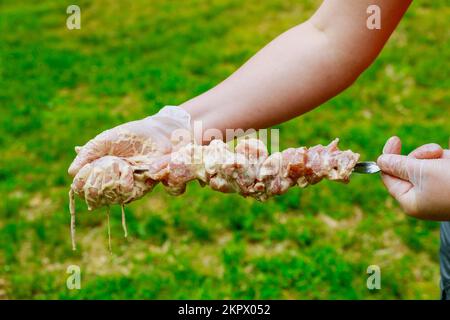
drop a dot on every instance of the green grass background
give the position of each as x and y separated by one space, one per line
58 88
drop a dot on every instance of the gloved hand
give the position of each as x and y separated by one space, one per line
103 168
156 135
420 182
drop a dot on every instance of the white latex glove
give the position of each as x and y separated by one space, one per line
156 135
103 168
420 182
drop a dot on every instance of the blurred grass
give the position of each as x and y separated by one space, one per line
59 88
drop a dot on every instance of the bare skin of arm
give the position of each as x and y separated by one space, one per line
300 69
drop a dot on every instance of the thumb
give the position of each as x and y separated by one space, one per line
402 167
401 175
94 149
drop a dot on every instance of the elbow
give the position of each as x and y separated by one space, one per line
349 57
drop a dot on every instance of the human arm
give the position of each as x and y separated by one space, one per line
299 70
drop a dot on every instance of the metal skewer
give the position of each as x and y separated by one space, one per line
366 167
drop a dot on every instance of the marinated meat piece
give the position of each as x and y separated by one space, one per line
249 171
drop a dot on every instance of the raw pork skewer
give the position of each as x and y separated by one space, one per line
249 171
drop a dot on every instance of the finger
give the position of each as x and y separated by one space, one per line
446 154
80 179
395 186
94 149
92 190
393 146
398 166
427 151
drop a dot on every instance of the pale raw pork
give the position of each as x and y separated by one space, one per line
249 170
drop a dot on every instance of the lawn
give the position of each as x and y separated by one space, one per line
59 88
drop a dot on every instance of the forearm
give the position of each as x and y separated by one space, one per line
299 70
291 75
